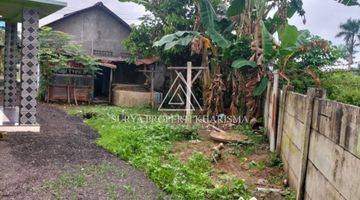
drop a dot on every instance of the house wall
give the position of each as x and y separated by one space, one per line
95 29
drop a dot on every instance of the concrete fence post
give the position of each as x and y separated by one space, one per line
312 93
266 106
282 105
273 110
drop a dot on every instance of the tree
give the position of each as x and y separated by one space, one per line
166 17
56 52
239 33
350 32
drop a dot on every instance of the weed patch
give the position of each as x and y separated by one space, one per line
148 146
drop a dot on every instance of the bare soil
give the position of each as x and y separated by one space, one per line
241 167
63 161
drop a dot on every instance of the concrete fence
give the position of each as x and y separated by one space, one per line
319 143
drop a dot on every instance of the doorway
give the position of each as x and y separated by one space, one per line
102 84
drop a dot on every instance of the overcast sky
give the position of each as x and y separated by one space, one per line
323 17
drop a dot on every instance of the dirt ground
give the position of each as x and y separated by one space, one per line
64 162
252 167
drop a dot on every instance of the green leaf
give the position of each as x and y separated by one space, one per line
170 45
240 63
207 14
236 8
185 40
181 41
166 39
182 38
288 36
267 43
218 39
260 89
349 2
208 19
181 33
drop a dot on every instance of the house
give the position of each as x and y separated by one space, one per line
18 110
101 32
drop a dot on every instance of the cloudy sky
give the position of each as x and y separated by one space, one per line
323 17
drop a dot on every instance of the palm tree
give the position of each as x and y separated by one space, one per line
349 31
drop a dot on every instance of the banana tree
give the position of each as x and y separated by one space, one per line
252 17
249 18
205 40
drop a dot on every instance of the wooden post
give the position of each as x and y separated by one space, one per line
188 92
273 111
311 95
282 104
110 85
152 86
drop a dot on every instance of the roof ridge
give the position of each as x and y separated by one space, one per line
99 4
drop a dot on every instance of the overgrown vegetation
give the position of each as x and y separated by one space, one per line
148 146
343 87
56 53
234 41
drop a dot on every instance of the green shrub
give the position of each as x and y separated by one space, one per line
343 87
148 147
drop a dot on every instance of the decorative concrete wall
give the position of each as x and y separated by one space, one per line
10 88
29 66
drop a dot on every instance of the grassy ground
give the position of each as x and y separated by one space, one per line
151 146
83 178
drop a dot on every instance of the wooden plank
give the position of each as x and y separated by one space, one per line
188 92
185 68
338 166
317 187
152 86
295 130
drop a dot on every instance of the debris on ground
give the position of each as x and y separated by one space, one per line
216 154
227 137
3 136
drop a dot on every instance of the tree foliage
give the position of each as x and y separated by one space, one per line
166 17
235 40
350 32
56 51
